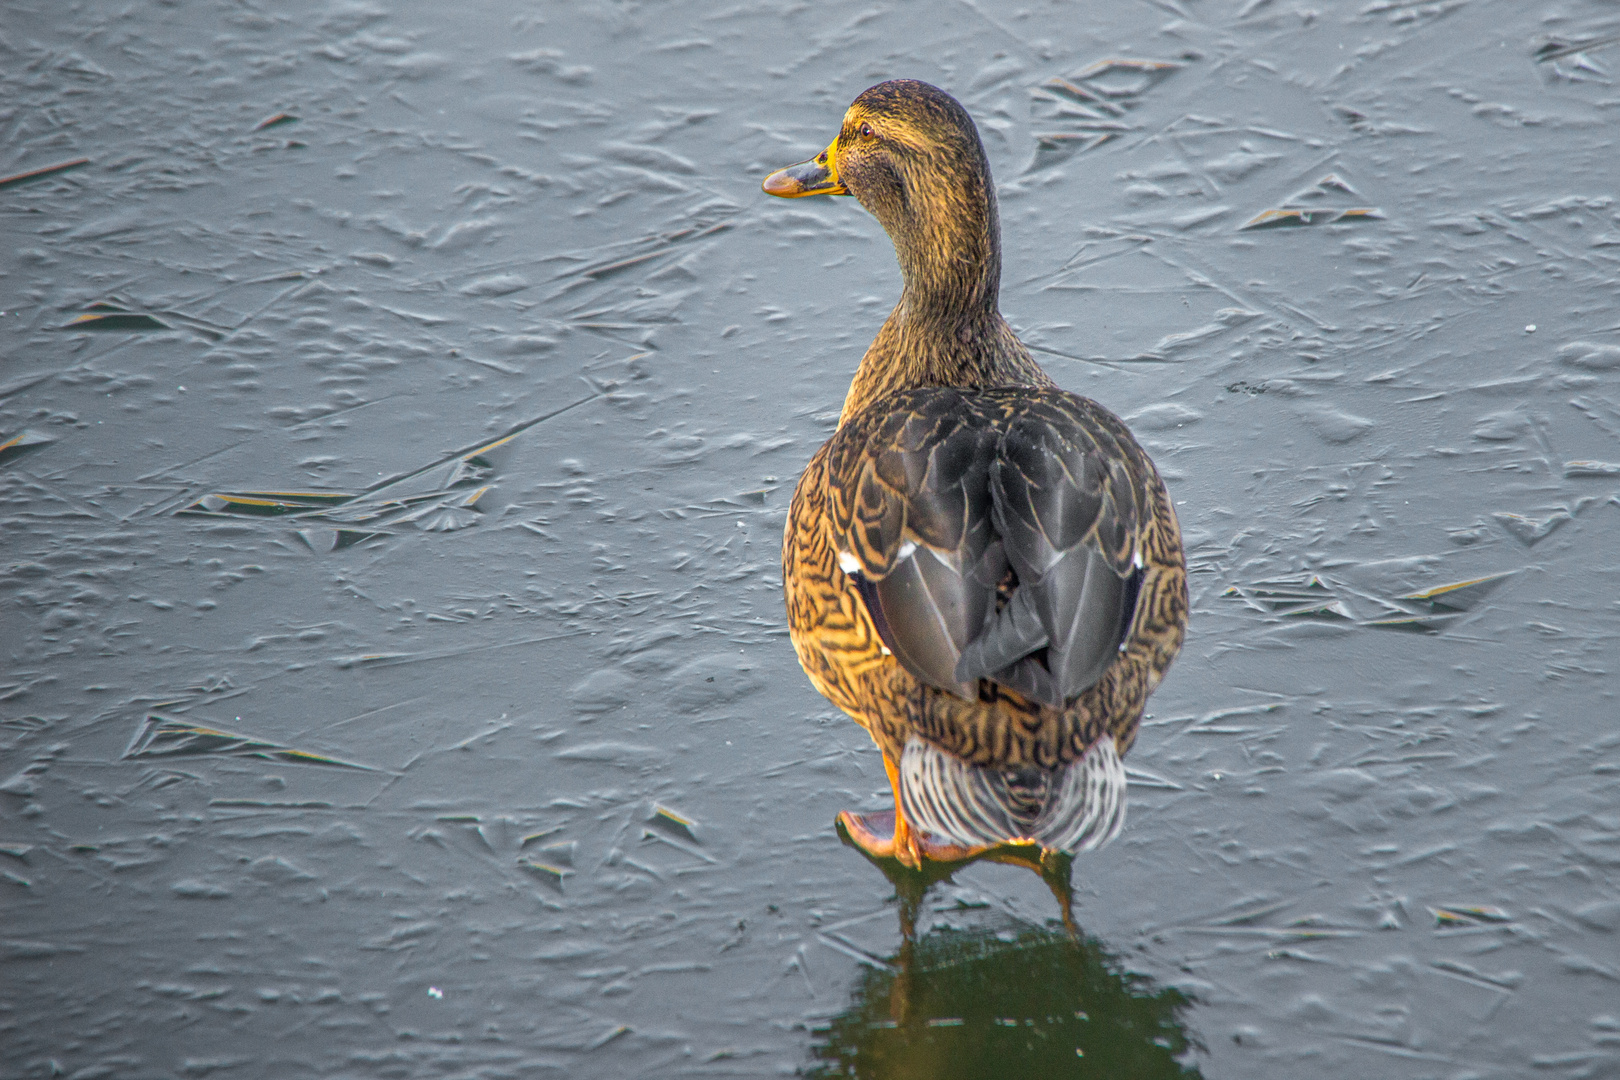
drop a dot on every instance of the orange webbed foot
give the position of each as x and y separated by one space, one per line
884 834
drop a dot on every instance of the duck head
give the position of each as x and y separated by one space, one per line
911 155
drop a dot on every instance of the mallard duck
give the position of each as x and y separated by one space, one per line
982 569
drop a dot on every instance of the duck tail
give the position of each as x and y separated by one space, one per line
1076 807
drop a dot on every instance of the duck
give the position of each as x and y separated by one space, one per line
982 569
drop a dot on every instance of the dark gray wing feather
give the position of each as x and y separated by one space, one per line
937 492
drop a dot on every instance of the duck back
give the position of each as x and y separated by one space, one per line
993 535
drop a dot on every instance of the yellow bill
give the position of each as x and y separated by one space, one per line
818 176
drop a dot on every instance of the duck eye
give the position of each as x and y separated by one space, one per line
866 131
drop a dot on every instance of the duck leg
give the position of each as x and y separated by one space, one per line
905 837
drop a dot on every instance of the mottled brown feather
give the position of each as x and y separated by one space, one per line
924 176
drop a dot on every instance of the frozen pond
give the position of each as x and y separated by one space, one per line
398 408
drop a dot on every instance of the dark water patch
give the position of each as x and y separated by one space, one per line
18 179
550 875
117 322
162 737
266 503
1314 206
662 817
1288 217
1329 599
984 996
22 443
119 316
1459 595
987 1003
1454 915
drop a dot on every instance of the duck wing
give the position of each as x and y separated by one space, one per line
993 534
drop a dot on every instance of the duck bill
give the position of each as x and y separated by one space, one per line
818 176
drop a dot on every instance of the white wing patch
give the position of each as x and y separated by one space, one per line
849 564
944 795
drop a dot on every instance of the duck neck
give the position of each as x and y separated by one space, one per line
948 243
947 329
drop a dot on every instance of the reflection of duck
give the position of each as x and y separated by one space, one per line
982 569
1000 1001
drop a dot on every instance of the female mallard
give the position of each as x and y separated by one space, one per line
983 570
